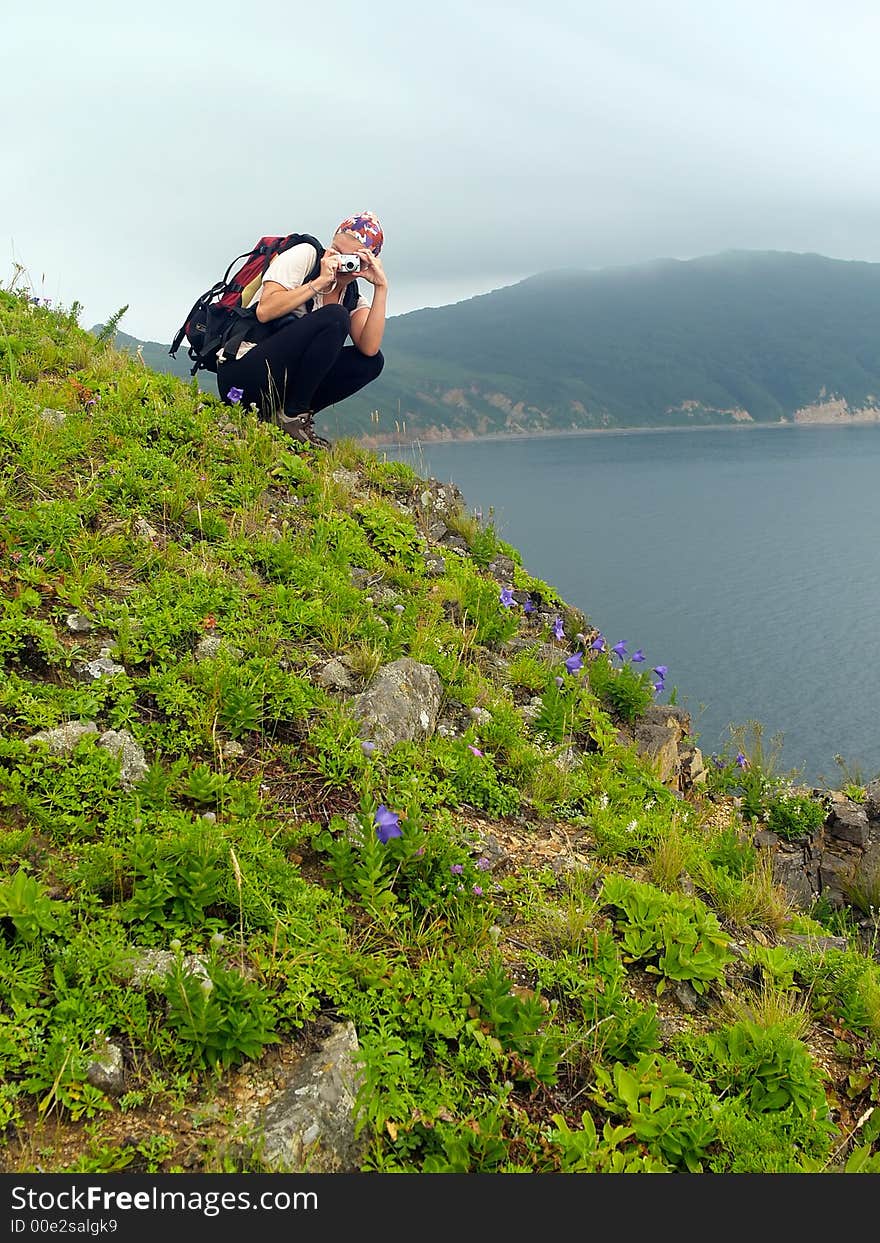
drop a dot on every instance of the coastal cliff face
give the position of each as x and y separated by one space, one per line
837 410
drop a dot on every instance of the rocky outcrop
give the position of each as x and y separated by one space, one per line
839 859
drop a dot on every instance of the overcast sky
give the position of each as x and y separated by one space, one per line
142 150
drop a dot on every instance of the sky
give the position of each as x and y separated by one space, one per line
144 149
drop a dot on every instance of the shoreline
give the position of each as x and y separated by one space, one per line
371 443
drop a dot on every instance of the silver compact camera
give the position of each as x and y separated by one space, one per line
349 263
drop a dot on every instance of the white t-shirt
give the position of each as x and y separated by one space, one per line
290 269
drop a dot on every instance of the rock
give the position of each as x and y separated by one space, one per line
435 565
686 996
50 415
848 822
231 750
814 943
835 871
693 770
451 540
63 739
502 568
77 623
872 800
401 704
107 1071
144 529
102 667
349 480
657 735
439 499
310 1127
334 676
659 744
133 762
210 646
765 839
788 871
482 716
148 968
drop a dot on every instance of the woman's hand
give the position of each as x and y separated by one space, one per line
326 278
372 270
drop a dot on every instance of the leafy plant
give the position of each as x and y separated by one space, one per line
674 935
219 1020
25 905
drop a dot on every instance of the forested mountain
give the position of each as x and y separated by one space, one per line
743 335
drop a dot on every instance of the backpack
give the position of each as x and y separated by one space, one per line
221 317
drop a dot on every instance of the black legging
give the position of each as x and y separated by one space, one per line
303 366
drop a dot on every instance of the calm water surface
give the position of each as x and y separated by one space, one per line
745 560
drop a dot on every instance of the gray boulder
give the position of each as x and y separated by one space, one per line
63 739
401 704
133 762
107 1071
310 1126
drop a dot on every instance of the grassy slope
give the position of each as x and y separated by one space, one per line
506 1014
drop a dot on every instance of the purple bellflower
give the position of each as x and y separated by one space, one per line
574 662
619 649
506 597
387 825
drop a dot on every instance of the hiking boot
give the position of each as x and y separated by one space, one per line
301 427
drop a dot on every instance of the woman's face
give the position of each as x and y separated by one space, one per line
346 244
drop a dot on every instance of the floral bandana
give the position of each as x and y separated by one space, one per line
366 229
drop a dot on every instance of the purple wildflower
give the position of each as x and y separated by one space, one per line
386 825
717 761
598 645
638 656
475 750
368 747
506 597
483 864
558 630
559 681
619 649
574 662
478 890
234 396
398 608
741 761
456 868
660 686
660 670
528 607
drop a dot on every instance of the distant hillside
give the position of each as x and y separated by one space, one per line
739 336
